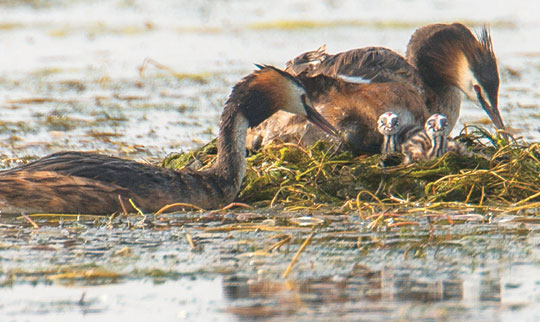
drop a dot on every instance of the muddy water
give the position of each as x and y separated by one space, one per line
143 79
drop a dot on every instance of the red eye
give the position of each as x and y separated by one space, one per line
477 89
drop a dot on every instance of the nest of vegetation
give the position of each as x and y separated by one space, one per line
501 173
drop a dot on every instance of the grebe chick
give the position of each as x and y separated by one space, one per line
78 182
388 125
432 142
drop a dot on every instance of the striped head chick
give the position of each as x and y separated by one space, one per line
436 128
428 143
389 126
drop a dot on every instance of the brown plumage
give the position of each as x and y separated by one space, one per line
352 108
79 182
442 61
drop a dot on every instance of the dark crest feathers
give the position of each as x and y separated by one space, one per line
485 39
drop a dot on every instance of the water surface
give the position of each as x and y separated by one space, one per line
73 76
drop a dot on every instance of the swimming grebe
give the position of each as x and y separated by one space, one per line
442 60
79 182
432 142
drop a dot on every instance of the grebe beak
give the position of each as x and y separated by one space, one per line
314 117
491 109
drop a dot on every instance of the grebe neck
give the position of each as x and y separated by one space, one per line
230 165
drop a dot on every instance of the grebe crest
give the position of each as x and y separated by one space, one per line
79 182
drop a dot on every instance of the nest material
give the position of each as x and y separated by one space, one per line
501 172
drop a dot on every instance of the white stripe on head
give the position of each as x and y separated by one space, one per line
467 80
354 79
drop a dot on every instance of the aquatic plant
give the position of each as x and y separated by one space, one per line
501 172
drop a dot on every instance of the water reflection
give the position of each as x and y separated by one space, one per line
375 295
380 294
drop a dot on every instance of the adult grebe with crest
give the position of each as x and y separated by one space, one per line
79 182
442 62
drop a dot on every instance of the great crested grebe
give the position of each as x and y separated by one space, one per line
442 60
78 182
432 142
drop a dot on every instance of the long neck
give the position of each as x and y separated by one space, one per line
438 53
438 147
231 164
446 101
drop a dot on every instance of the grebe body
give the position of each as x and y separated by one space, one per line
79 182
351 108
442 62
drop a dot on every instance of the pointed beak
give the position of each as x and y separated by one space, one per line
314 117
491 109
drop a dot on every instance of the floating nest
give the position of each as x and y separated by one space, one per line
501 173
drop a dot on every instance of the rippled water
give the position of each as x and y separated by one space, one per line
70 71
104 268
73 76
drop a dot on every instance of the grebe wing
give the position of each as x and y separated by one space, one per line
362 65
369 65
47 191
102 168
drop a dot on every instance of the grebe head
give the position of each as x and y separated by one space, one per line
479 76
388 123
452 54
437 126
270 89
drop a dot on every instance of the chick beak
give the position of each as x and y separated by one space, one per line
491 109
314 117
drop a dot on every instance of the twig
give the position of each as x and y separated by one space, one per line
403 223
136 208
122 205
172 205
30 220
295 258
232 205
280 243
190 240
